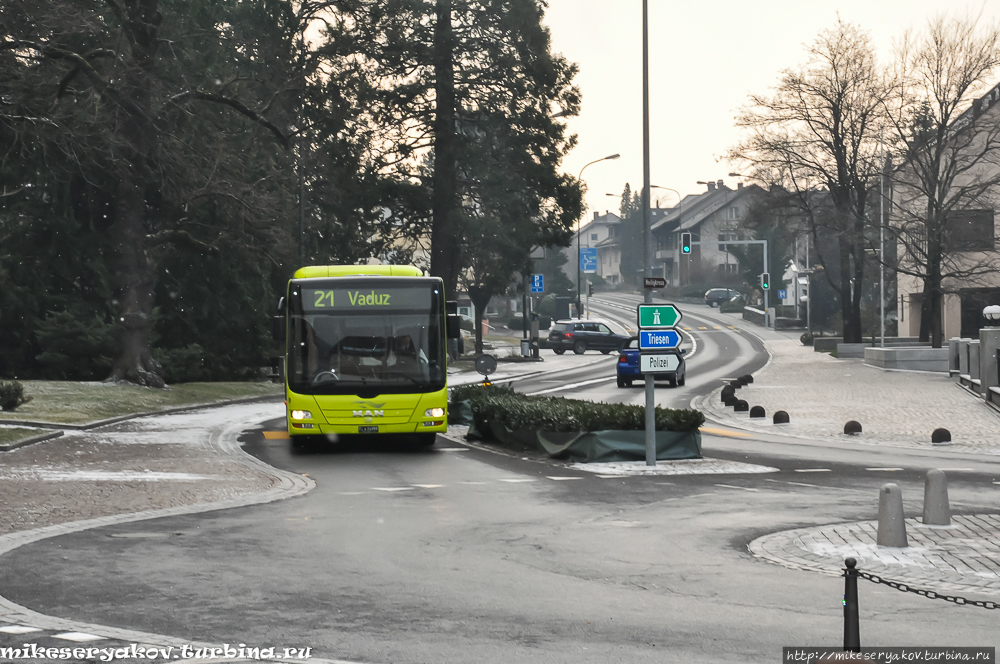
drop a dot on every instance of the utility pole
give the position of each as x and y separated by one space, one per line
647 271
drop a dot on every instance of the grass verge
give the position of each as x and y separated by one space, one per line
10 435
64 402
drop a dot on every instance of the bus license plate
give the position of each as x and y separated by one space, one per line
371 429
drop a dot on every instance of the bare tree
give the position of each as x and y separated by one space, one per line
946 187
819 130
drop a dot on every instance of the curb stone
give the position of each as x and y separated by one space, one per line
7 447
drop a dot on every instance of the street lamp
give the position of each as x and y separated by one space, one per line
579 253
992 315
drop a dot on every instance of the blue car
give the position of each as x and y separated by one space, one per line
629 368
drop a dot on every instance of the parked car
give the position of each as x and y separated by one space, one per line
583 335
629 368
716 296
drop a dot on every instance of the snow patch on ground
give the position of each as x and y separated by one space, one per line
679 467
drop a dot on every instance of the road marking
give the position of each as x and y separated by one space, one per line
351 493
428 486
725 432
572 385
392 488
812 470
687 328
512 481
717 327
453 449
958 470
18 629
702 328
732 327
608 477
79 637
558 478
730 486
474 483
276 435
884 470
815 486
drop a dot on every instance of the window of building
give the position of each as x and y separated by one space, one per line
733 213
729 236
593 236
970 230
729 268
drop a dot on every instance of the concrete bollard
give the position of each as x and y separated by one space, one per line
852 428
936 509
741 406
941 437
730 400
780 417
746 378
757 412
891 526
735 384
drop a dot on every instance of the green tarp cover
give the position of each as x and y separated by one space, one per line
595 446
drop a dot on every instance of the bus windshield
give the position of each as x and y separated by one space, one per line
379 335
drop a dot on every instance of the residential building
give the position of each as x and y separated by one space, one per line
969 237
712 218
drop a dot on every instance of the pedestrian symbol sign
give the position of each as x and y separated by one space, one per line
658 316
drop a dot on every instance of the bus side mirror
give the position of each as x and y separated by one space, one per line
278 328
454 326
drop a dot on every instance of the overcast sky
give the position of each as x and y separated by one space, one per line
705 58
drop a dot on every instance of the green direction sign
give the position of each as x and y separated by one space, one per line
658 316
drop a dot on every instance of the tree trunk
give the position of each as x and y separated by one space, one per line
133 290
444 209
849 318
133 279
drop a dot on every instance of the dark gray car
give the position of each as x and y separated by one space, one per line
583 335
716 296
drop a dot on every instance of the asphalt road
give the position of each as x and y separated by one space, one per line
456 554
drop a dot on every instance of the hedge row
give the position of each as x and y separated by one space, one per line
518 411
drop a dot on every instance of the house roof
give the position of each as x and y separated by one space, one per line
695 208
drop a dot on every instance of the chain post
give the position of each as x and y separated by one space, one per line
852 628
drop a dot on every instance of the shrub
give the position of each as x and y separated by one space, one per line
518 411
74 347
183 365
806 339
732 307
12 395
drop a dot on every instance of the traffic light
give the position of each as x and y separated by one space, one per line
685 243
590 289
765 281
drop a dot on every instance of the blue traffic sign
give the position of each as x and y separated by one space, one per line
538 283
659 339
588 259
783 294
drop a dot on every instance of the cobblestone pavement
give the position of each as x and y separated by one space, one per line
963 558
821 393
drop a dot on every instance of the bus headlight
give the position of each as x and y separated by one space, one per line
301 415
434 412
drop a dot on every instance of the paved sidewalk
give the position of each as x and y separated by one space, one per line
960 559
821 393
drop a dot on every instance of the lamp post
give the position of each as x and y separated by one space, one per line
580 227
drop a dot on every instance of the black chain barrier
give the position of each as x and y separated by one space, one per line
924 593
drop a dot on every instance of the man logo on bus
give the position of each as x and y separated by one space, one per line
369 413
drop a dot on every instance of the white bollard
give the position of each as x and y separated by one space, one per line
891 527
936 509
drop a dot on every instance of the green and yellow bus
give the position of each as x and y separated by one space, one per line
365 352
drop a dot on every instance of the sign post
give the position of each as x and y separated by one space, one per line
538 283
656 324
